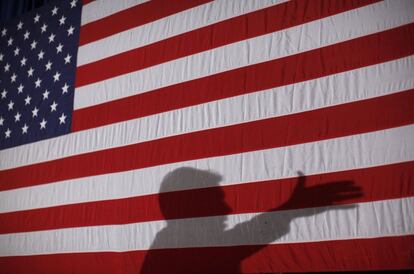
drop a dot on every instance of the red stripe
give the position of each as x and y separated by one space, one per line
364 51
133 17
341 255
377 183
330 122
87 1
243 27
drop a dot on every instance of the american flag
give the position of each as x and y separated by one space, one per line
38 53
207 136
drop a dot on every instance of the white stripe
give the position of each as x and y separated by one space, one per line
363 220
169 26
340 88
100 9
327 31
345 153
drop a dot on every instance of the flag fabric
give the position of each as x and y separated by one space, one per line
207 136
38 54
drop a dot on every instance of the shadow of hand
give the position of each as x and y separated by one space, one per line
332 193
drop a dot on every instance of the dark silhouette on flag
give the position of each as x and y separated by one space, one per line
264 228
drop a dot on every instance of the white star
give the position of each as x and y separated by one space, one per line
20 88
10 42
54 11
30 72
10 105
13 78
26 35
62 119
67 59
20 25
62 20
33 44
51 38
1 56
35 111
59 48
65 88
43 28
23 61
48 65
17 117
56 77
16 51
43 124
37 17
73 3
70 30
27 100
2 121
3 94
6 67
8 132
46 94
3 32
53 106
37 83
41 54
24 129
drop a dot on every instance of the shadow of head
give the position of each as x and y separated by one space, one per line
191 192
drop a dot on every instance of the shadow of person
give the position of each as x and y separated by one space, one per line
202 210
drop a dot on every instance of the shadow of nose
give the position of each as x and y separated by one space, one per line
226 208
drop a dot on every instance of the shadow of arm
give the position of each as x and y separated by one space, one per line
305 201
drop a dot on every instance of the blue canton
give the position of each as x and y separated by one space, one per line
37 68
